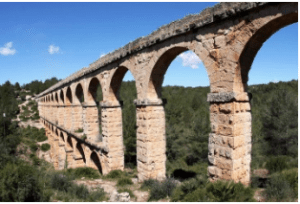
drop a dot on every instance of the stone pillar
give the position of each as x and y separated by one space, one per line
68 117
55 146
151 140
112 135
51 113
62 154
91 123
77 117
230 141
61 115
69 154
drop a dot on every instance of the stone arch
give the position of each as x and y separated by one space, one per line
95 161
69 98
261 33
79 94
61 95
92 91
56 97
115 84
158 71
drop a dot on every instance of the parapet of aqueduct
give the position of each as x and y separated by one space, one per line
225 37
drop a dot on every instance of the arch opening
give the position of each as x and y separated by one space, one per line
69 98
185 118
79 93
272 136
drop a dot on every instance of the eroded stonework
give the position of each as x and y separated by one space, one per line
225 37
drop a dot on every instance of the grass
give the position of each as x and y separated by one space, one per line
85 172
79 130
159 190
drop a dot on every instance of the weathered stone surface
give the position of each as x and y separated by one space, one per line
225 37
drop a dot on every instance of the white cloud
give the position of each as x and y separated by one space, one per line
53 49
102 55
190 59
7 49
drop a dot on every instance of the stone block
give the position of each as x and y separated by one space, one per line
226 108
223 163
225 130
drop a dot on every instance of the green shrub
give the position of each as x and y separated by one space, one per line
279 189
79 191
97 195
45 147
124 181
19 183
224 191
35 159
192 190
60 182
147 184
115 174
86 172
159 190
33 147
79 130
291 176
276 164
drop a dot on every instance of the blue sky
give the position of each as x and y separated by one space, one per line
43 40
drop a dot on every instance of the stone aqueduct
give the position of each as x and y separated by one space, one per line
225 37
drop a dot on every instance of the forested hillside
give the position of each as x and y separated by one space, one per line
274 139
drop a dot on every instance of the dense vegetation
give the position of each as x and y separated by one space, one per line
274 139
36 87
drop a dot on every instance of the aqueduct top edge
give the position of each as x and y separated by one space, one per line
207 16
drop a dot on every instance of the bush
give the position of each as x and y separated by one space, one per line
224 191
79 191
278 189
115 174
33 147
79 130
124 181
35 159
19 183
159 190
45 147
86 172
192 190
276 164
60 182
97 195
291 176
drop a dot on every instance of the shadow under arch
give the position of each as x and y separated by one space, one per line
96 161
80 150
93 95
69 99
116 82
256 41
79 93
62 98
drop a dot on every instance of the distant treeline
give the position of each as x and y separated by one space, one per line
36 87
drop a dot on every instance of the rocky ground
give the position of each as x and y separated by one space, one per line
111 189
29 122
